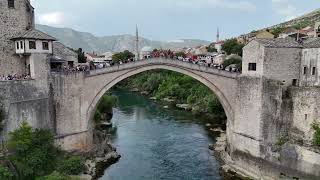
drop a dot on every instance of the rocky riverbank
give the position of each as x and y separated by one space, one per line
103 153
219 150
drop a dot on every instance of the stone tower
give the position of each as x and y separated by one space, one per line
218 35
16 16
137 53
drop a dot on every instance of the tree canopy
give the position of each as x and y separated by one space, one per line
81 57
181 54
230 61
211 49
122 56
231 46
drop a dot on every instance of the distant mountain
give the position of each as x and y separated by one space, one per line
90 42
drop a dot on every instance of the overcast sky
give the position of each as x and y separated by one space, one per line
169 19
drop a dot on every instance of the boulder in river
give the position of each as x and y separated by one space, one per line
153 98
134 90
168 100
186 107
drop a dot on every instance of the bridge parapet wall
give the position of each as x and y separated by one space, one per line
163 61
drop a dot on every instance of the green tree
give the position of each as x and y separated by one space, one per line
316 138
277 31
5 173
230 61
105 106
302 24
57 176
32 151
81 56
211 49
122 56
127 55
231 46
71 166
181 54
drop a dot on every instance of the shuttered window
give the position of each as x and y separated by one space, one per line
11 3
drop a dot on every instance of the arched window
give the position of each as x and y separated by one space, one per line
11 3
319 28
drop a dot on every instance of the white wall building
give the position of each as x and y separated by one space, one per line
33 41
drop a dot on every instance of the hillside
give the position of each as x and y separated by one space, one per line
90 42
311 17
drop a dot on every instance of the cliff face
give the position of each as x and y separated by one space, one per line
90 42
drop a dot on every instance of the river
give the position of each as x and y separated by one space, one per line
158 143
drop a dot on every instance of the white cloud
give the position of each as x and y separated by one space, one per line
53 19
285 8
241 5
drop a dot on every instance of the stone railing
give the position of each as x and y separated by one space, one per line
163 61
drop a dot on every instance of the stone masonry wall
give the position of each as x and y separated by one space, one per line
25 101
12 22
282 64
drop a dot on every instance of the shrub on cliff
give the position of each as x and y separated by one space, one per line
71 166
316 137
54 176
32 151
105 106
5 173
1 115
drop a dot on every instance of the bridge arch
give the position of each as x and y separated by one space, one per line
201 77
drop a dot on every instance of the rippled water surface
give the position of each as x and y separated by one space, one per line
157 143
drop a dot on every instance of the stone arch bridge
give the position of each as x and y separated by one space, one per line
250 102
77 95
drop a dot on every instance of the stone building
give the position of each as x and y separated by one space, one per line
16 17
62 55
310 64
277 59
317 29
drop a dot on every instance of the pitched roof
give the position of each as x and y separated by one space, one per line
60 49
34 34
312 43
279 43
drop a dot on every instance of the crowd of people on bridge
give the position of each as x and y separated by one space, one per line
14 77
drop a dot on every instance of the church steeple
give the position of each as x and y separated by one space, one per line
137 44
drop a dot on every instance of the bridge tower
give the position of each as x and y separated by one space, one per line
17 16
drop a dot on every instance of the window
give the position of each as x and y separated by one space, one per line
11 3
18 45
294 82
318 28
306 116
305 70
252 66
21 45
32 45
45 45
313 70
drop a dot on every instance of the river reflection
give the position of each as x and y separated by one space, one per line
157 143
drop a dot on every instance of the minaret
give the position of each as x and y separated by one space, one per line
218 35
137 44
